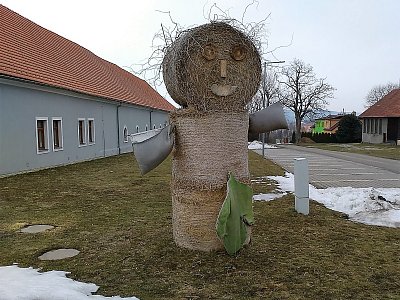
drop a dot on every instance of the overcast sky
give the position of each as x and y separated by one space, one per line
355 44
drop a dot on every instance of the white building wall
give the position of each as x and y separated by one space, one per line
20 106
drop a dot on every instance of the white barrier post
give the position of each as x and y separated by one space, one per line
301 188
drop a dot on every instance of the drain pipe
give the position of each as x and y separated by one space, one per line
118 129
104 136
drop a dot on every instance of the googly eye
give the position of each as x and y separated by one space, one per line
209 52
238 53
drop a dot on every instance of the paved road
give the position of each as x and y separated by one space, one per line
338 169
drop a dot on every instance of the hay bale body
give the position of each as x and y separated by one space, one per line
207 147
208 58
194 215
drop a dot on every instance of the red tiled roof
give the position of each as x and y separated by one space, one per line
388 106
31 52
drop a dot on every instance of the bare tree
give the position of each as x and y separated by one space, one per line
302 92
378 92
269 87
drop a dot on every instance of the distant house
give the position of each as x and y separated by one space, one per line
60 103
381 122
328 124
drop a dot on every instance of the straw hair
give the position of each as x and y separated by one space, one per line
192 65
208 147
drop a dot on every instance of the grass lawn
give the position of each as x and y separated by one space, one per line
121 223
378 150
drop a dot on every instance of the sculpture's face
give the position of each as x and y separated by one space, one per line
217 58
219 69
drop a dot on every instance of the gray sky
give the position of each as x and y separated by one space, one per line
353 43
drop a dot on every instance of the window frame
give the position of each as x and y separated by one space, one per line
45 135
83 133
60 134
91 131
137 129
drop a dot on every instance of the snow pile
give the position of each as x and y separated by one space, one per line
268 197
365 205
27 283
256 145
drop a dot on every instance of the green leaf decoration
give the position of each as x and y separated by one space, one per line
235 215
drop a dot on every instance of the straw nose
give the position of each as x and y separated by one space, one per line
223 68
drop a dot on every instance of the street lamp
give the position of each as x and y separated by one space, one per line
263 97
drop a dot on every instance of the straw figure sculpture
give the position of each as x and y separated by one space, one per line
212 71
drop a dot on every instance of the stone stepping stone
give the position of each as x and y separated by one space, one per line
59 254
36 228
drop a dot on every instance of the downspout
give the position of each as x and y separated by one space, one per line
104 137
151 127
118 129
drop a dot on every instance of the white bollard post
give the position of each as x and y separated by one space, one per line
301 187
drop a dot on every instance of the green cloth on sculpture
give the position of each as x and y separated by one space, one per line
235 215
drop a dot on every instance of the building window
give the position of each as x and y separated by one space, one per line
380 126
125 134
160 126
154 126
82 132
42 135
376 126
91 131
57 134
137 129
146 128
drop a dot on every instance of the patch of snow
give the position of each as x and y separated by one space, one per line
27 283
261 180
373 206
268 197
256 145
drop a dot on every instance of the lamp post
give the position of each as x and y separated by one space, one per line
263 98
263 106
